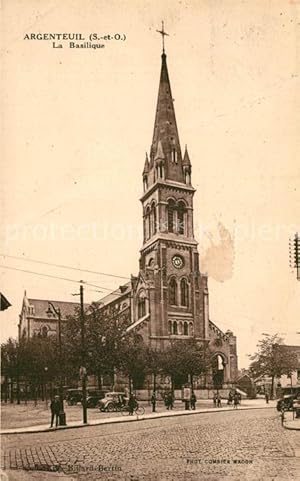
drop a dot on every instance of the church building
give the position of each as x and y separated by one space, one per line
169 299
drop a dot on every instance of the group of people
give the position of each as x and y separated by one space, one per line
234 398
217 400
169 400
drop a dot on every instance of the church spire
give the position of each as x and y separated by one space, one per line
165 127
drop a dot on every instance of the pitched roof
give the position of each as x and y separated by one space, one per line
41 307
122 291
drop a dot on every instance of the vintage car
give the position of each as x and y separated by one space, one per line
289 398
74 396
93 398
113 401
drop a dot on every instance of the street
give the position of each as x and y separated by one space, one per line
242 445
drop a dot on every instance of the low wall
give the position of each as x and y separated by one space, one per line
144 395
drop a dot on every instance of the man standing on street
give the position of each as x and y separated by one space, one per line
55 410
153 401
193 401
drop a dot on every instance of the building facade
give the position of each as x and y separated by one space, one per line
38 317
169 298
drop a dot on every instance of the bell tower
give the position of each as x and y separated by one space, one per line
169 260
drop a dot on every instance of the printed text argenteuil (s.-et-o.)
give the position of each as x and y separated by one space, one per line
76 40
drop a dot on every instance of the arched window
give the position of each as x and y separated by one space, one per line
175 328
171 215
141 307
181 218
173 292
218 364
174 155
185 329
153 219
170 327
145 179
44 331
147 224
184 293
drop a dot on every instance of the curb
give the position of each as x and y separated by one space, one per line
291 428
137 418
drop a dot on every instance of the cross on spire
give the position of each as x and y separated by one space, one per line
163 34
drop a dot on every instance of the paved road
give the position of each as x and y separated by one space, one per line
235 446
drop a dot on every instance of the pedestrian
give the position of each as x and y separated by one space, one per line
153 401
215 400
282 415
193 401
219 401
55 410
131 404
267 398
235 400
229 398
170 400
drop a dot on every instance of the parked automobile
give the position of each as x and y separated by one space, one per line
73 396
93 398
113 401
289 396
285 403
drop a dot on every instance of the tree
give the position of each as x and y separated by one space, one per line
132 359
10 365
105 329
40 362
32 361
272 359
153 363
185 359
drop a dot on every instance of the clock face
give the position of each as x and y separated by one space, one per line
177 262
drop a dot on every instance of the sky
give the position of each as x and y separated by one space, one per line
78 121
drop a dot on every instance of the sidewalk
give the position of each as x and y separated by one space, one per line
246 405
290 423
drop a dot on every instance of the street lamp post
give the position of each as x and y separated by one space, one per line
62 416
83 356
46 398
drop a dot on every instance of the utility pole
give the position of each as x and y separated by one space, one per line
62 414
295 254
83 356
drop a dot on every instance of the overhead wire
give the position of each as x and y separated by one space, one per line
57 277
27 259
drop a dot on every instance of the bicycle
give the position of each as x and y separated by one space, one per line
138 410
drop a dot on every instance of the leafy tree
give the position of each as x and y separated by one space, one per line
185 359
272 359
154 360
132 360
104 332
40 362
10 365
33 361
